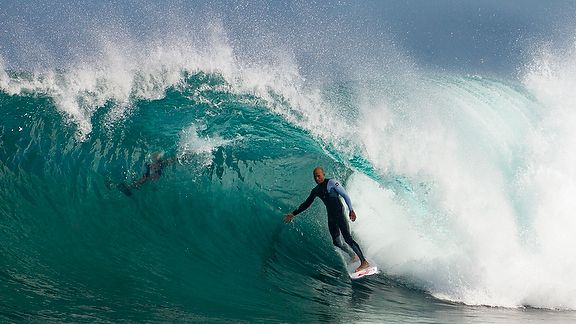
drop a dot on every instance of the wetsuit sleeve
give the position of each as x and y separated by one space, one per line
340 190
305 204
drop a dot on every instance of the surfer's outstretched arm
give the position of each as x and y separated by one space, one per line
288 217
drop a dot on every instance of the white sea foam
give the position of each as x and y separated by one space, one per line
194 145
489 217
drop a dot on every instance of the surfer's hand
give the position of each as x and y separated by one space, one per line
352 215
288 218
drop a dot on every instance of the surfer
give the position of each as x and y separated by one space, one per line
153 173
330 190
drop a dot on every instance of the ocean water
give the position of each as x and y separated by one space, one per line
462 179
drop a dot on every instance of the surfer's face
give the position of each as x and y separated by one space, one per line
318 176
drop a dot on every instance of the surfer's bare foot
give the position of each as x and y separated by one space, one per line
363 266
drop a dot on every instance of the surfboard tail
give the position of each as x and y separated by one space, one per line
363 273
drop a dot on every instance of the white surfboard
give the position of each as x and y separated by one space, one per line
371 270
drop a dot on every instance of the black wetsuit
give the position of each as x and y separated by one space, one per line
329 191
153 173
154 170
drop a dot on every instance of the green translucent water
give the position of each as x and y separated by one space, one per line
205 242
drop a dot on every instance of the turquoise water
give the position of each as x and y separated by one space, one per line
450 125
206 242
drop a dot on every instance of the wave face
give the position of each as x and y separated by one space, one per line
462 185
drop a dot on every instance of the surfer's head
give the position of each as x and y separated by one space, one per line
318 175
156 156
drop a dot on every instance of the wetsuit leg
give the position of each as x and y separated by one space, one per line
345 230
335 233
